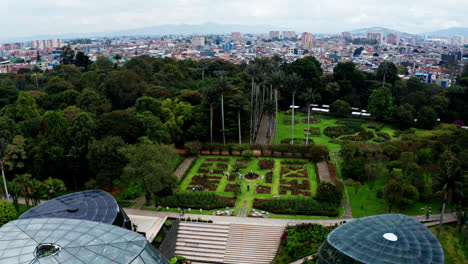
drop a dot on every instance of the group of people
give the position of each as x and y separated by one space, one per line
201 188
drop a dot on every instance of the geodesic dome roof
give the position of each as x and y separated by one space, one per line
92 205
70 241
389 238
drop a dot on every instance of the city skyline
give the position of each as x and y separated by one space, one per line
54 17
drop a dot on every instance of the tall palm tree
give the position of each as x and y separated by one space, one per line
210 94
223 86
3 152
239 102
449 180
256 72
24 183
294 83
277 80
311 95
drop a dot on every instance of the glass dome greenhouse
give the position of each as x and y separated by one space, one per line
382 239
92 205
70 241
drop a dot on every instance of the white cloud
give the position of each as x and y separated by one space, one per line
34 17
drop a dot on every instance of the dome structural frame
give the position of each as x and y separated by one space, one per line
382 239
92 205
71 241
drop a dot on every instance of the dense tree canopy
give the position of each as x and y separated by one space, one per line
72 121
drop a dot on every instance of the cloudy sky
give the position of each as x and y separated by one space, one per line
38 17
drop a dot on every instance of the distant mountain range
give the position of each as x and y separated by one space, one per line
160 30
214 28
449 32
362 32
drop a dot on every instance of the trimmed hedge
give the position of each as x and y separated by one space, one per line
296 206
197 200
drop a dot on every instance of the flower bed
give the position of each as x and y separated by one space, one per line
362 136
251 176
334 132
312 121
332 170
295 187
218 159
206 165
295 141
232 188
313 131
266 164
241 164
261 189
293 162
222 166
269 177
203 171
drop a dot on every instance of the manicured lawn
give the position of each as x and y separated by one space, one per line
214 166
452 241
284 130
365 202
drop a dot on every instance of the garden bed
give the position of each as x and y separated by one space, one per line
218 159
334 132
251 176
269 177
266 164
261 189
295 141
232 188
313 131
312 121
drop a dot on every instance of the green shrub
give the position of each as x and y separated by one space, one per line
193 147
7 212
178 260
349 182
300 241
168 223
247 154
297 206
376 126
196 200
132 191
328 192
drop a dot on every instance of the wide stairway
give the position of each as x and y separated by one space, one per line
228 243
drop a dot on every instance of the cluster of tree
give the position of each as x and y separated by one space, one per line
411 103
426 168
73 121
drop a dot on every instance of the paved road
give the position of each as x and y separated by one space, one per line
183 167
449 217
262 134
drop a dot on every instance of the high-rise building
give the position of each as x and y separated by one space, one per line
393 39
198 41
306 39
457 40
289 34
236 36
48 43
346 35
375 36
274 35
